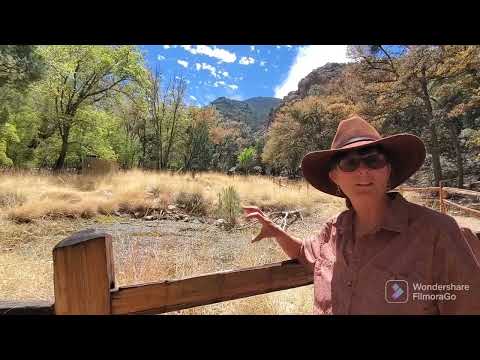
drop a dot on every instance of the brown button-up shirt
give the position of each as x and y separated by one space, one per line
418 262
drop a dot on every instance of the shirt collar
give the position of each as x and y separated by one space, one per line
395 218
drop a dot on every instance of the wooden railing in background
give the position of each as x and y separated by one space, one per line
444 193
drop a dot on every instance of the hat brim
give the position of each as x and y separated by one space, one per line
406 154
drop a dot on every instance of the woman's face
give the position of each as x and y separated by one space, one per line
356 179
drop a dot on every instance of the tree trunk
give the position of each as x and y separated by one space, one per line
144 145
158 157
172 135
434 148
437 168
63 153
458 153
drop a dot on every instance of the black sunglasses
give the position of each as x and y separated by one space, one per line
351 163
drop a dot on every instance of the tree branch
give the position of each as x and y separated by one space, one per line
107 88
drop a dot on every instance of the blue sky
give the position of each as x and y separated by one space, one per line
239 71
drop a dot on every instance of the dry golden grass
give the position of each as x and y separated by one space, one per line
76 196
55 207
27 269
40 210
137 264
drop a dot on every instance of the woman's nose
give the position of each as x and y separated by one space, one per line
362 168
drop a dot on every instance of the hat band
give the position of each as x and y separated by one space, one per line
356 139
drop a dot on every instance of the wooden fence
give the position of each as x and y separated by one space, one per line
84 278
444 193
84 283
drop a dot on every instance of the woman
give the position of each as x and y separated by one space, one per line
384 255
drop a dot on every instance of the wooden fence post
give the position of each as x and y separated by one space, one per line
83 274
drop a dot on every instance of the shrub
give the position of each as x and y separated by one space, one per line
229 206
193 203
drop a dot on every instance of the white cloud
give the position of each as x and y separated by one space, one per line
289 46
278 46
204 66
166 46
225 73
252 48
246 60
217 83
183 63
160 57
193 98
309 58
262 63
233 87
266 69
222 54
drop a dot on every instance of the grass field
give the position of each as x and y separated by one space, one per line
38 211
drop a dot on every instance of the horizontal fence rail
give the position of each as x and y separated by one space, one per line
207 289
26 308
445 194
464 208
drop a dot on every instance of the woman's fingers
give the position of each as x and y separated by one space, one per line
251 209
257 216
268 228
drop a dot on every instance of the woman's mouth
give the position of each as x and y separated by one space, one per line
365 184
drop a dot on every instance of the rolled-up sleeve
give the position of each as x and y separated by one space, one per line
311 246
455 262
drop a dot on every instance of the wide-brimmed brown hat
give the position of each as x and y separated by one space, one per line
405 152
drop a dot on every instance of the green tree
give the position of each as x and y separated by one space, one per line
8 134
80 76
131 113
306 125
19 65
166 113
246 158
197 142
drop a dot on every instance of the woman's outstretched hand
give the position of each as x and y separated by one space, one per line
269 228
